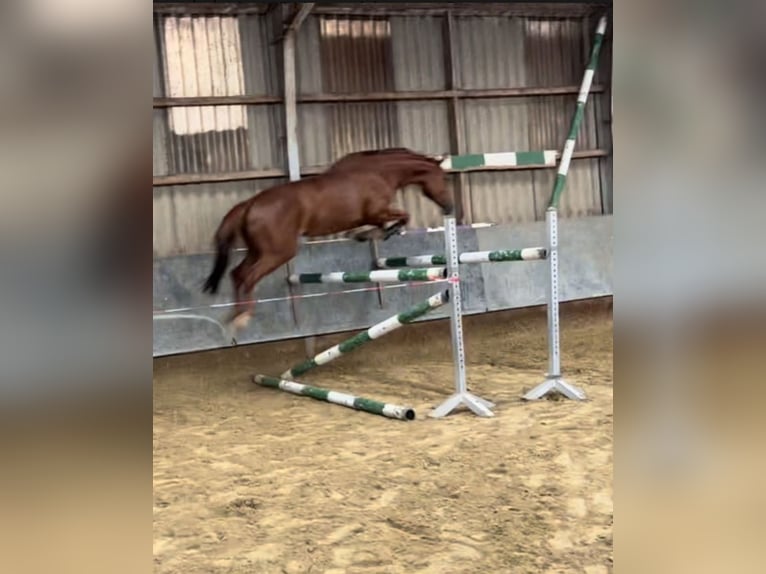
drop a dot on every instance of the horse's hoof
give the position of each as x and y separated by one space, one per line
391 232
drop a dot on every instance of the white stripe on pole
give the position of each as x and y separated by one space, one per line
500 159
566 156
550 156
341 398
384 327
601 26
587 80
328 355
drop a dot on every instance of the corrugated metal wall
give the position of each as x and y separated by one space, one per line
212 56
235 56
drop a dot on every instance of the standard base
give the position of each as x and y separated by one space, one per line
478 405
558 385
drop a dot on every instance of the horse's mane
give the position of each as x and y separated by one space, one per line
386 152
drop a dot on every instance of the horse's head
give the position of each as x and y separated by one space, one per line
434 187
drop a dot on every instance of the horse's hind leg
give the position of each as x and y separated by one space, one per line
238 276
250 276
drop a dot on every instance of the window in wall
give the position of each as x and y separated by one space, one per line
356 57
203 57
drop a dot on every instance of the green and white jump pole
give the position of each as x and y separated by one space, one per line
553 380
353 402
374 332
382 276
527 254
499 159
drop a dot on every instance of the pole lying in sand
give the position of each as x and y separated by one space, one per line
527 254
374 332
384 276
350 401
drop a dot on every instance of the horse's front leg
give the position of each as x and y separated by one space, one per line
366 234
401 219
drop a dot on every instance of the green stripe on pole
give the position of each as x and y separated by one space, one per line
558 186
304 367
418 310
530 158
400 262
467 161
358 403
356 341
506 255
310 277
356 276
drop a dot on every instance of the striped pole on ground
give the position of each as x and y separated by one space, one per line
502 159
350 401
374 332
582 98
527 254
384 276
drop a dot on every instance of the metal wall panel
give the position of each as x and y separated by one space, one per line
419 64
159 116
262 70
419 55
187 216
497 125
581 195
356 57
313 132
199 209
490 52
219 56
164 241
502 197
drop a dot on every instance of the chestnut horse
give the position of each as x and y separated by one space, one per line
355 191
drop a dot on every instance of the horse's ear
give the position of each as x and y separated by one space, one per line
438 158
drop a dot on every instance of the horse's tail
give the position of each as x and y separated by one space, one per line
225 236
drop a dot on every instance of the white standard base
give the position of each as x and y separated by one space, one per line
558 385
478 405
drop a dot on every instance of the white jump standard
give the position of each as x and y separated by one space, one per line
461 396
553 380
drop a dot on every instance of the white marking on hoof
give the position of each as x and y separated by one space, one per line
241 321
